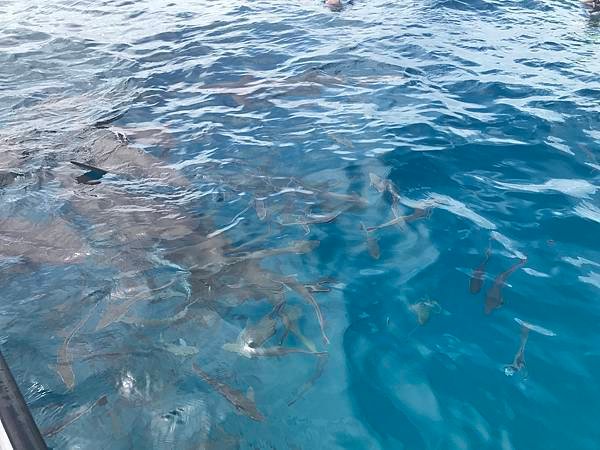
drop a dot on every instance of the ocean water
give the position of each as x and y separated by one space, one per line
213 272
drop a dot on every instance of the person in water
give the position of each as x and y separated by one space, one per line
334 5
592 5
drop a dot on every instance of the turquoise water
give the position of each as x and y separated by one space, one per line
166 300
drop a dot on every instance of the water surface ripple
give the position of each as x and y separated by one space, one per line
270 225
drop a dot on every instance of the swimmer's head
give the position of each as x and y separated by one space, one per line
593 5
334 5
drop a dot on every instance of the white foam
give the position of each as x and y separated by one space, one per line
573 188
535 273
588 211
592 278
224 229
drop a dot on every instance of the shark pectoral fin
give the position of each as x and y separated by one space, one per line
250 394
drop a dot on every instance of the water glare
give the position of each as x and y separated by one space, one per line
302 225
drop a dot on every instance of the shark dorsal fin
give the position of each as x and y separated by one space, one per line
250 393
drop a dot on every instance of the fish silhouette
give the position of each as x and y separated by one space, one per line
48 432
401 221
308 219
372 243
321 363
518 363
290 316
63 358
380 184
242 403
476 281
493 298
301 290
254 336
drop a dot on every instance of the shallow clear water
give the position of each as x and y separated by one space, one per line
225 129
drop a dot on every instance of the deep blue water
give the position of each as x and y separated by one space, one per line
222 130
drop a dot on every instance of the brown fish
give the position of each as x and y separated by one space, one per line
384 185
320 285
372 243
250 243
282 351
63 359
321 363
418 213
396 207
63 365
340 140
241 403
393 190
378 183
48 432
109 149
476 281
290 317
168 321
518 363
352 200
293 284
258 352
298 247
130 293
399 220
52 242
308 219
493 298
255 335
